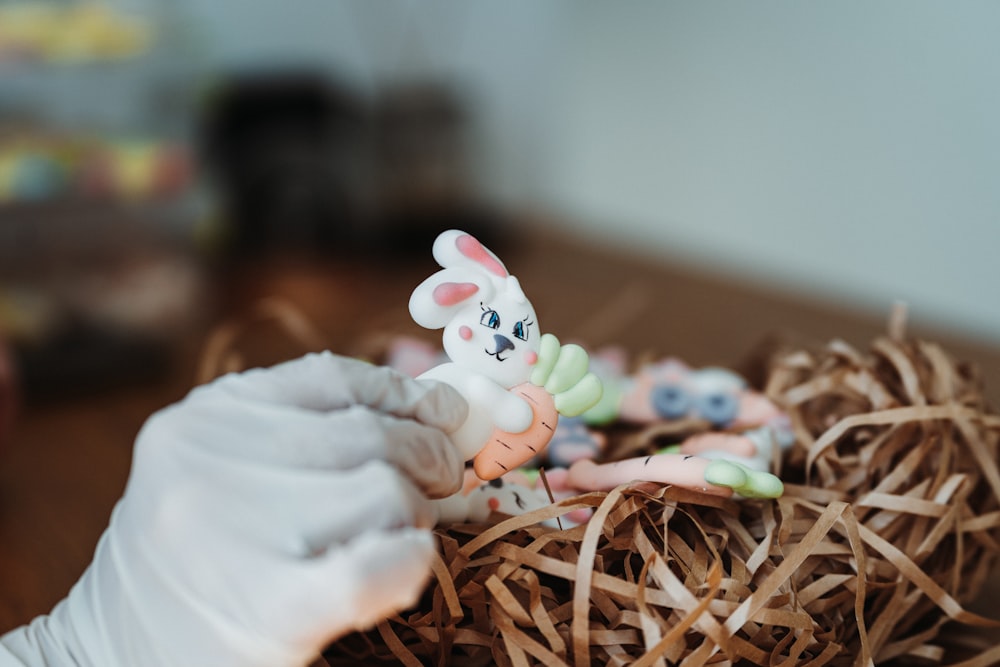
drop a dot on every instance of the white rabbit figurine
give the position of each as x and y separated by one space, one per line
492 338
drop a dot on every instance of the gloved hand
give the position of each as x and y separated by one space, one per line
266 514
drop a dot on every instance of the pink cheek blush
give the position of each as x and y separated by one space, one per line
531 358
465 333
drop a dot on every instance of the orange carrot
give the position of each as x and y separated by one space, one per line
506 451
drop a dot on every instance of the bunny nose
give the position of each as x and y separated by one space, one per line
503 343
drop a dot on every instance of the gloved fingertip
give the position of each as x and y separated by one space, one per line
450 483
392 570
355 585
443 407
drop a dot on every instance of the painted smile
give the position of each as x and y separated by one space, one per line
495 354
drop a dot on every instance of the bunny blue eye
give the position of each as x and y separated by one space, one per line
520 331
490 319
718 408
670 401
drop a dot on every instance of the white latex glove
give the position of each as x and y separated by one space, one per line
266 514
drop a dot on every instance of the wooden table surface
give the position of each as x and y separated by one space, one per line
66 462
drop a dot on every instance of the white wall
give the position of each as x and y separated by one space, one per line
849 149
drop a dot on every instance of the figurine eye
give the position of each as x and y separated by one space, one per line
490 319
519 500
718 408
521 330
670 401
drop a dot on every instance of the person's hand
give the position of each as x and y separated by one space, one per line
266 514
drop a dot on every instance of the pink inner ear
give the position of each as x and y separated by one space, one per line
474 250
448 294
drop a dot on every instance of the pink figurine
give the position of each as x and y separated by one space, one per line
715 463
657 391
759 427
670 390
718 477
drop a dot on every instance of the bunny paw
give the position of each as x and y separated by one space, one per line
742 480
562 370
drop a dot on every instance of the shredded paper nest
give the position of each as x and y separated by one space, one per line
889 525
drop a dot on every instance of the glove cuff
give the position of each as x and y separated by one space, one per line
123 612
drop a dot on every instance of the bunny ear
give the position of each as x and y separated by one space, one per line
455 248
450 294
435 301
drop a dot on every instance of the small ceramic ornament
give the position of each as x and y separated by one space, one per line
734 458
719 477
609 365
748 427
476 503
497 355
656 392
758 431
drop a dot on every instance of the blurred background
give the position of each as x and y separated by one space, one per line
245 180
845 154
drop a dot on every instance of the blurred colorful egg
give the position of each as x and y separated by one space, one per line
36 177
